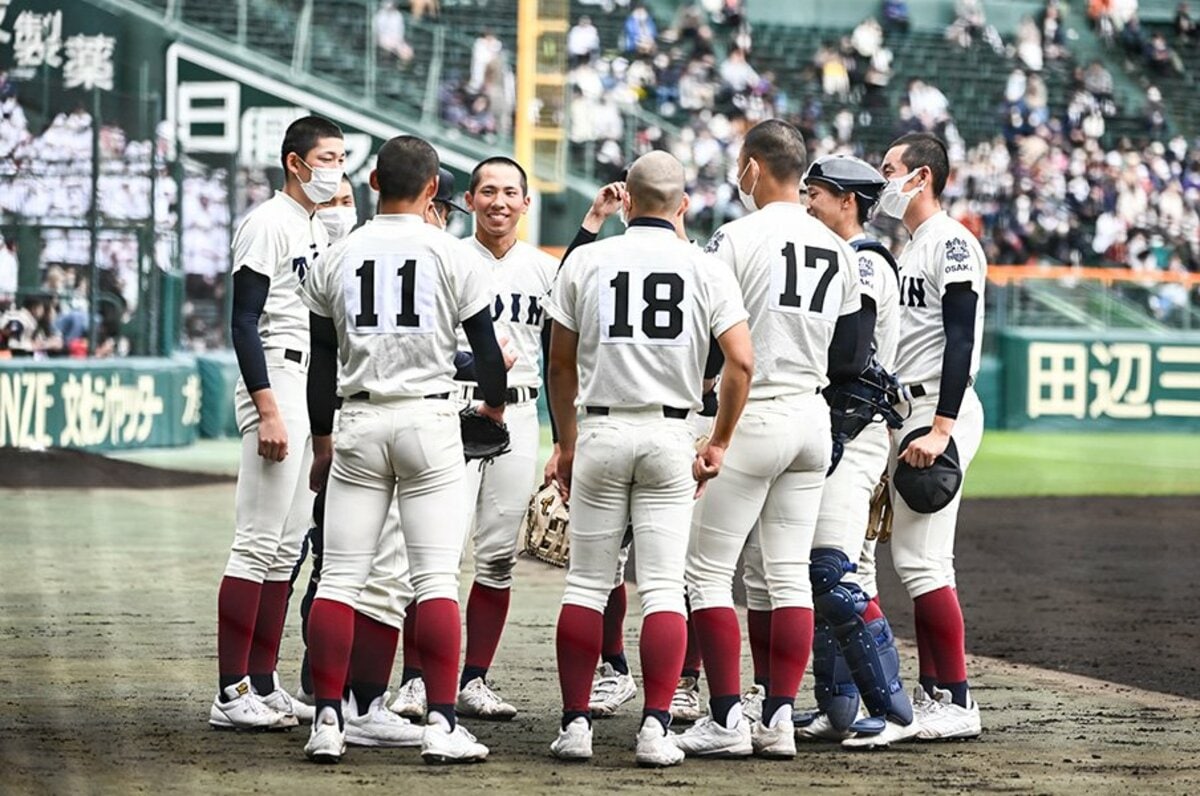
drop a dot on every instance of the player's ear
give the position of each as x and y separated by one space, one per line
684 204
373 180
469 198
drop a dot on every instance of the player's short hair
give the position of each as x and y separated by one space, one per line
303 134
404 166
656 183
779 148
926 149
497 160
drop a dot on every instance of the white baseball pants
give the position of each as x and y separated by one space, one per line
273 504
389 587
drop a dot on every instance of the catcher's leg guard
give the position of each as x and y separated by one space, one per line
833 685
871 656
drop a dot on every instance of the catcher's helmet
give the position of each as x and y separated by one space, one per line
848 174
931 488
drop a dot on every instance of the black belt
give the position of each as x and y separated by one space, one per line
293 355
366 396
919 391
668 411
511 396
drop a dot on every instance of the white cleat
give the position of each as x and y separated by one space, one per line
287 704
777 741
379 726
818 727
893 732
942 720
305 698
573 744
610 690
243 709
752 702
441 745
479 701
685 703
708 738
410 700
656 747
326 741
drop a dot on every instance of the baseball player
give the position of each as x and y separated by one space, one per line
390 298
852 637
273 250
633 319
942 275
809 324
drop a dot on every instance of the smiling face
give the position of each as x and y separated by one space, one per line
498 201
827 206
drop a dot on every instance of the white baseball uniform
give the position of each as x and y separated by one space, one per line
498 492
397 290
942 252
273 506
798 278
645 306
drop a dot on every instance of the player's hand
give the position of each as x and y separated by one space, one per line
318 474
495 413
272 438
551 468
607 201
510 356
562 473
923 451
707 466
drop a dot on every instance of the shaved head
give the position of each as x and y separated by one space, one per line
655 184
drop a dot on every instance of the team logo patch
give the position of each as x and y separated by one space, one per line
866 270
714 242
957 250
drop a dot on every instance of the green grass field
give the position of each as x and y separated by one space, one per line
1009 464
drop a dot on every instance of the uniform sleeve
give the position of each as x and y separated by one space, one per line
258 246
561 304
956 260
852 290
728 306
314 290
871 274
474 283
721 247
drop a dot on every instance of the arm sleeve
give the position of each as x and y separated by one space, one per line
958 322
715 361
850 348
582 238
489 360
322 374
546 377
250 290
464 366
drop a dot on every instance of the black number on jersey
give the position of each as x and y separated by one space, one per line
813 255
656 307
408 317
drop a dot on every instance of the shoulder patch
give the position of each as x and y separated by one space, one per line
957 250
866 270
714 243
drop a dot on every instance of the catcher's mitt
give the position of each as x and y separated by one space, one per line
483 438
879 522
546 527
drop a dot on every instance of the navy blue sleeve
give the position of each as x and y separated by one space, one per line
850 348
464 366
958 322
249 297
322 374
489 359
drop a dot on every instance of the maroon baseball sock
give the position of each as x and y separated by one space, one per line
330 637
371 658
578 638
487 610
791 644
662 645
268 630
758 629
720 641
942 618
237 609
692 659
412 657
614 622
439 639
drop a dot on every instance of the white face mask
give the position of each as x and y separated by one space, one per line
893 200
338 221
623 216
747 198
323 185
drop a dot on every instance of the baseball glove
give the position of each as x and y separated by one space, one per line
546 525
879 522
483 438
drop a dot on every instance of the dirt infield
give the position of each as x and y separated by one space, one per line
107 657
71 469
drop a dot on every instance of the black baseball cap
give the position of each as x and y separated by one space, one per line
445 191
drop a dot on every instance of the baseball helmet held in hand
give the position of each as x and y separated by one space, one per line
928 489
